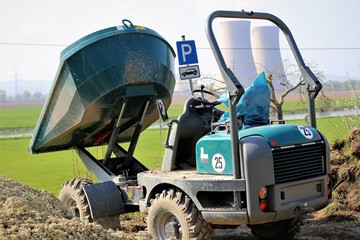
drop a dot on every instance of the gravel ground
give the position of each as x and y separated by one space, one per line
26 213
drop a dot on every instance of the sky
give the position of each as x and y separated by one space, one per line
34 32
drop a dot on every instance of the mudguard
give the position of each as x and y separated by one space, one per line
104 199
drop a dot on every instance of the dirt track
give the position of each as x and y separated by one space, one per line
311 230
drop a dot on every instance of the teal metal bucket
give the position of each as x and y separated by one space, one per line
96 76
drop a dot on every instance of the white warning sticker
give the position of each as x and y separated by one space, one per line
218 163
203 157
305 132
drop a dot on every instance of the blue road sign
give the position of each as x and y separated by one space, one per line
186 52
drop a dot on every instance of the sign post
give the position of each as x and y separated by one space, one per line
187 55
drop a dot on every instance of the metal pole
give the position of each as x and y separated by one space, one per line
191 87
136 135
311 106
114 135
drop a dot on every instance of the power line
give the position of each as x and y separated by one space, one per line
305 49
200 48
34 44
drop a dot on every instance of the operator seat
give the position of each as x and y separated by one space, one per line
192 124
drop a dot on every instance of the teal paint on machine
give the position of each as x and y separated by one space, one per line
213 151
283 134
213 154
96 75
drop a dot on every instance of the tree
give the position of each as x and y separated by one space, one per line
37 95
26 94
351 119
282 80
288 77
2 95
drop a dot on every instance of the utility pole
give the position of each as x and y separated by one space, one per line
16 85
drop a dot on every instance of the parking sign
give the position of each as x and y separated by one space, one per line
186 52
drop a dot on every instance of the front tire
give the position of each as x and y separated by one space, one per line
172 214
281 230
73 198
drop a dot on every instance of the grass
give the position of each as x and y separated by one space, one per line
322 104
50 170
150 148
175 110
18 117
27 117
44 171
333 127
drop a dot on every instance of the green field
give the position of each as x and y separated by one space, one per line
18 117
27 117
50 170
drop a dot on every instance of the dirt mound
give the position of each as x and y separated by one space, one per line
26 213
345 163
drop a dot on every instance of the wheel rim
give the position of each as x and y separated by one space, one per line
72 207
173 215
74 200
169 226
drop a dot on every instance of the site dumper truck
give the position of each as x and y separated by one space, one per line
219 168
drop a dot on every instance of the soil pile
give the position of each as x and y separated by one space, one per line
341 218
345 155
26 213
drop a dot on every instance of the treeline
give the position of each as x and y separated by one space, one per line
26 95
341 86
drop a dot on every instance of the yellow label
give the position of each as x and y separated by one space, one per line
140 27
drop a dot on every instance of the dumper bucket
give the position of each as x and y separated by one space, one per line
119 69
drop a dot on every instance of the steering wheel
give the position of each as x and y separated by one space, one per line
202 99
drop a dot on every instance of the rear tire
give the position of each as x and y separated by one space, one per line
73 198
281 230
172 214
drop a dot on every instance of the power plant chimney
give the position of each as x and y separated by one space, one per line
235 44
267 55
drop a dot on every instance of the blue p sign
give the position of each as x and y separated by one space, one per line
186 52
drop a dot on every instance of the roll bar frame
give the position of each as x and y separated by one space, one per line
235 89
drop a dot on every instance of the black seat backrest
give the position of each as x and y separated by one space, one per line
184 133
193 123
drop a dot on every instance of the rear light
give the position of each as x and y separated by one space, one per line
328 180
263 205
263 202
262 192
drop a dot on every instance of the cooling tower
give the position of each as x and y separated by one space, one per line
266 53
235 45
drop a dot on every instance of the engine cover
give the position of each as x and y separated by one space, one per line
213 151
